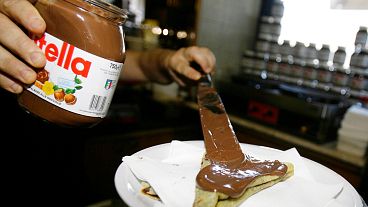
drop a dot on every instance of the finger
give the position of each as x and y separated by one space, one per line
185 69
13 67
202 56
19 43
10 85
210 60
24 13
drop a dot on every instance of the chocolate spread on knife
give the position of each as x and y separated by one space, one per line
230 171
85 52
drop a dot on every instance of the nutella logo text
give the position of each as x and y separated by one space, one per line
64 56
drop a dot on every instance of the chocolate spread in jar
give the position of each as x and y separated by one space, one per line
230 171
85 52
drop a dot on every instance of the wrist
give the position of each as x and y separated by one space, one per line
166 59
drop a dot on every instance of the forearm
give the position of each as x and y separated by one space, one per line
147 66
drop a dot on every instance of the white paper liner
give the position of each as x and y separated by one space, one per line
173 179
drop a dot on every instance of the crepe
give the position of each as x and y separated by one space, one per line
216 199
147 190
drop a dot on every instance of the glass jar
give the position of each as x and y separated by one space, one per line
324 54
285 66
85 51
265 26
286 48
310 72
248 59
273 64
360 59
297 68
276 27
263 43
300 51
361 38
277 8
341 76
261 61
324 73
311 53
274 48
359 79
339 56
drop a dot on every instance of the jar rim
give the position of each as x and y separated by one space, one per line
109 11
109 7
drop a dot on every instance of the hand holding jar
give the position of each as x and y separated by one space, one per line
66 73
18 53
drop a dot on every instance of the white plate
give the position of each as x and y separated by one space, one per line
128 186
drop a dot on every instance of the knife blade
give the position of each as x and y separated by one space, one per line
221 143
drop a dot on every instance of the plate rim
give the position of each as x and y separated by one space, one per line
200 143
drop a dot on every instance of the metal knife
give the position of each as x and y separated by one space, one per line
218 133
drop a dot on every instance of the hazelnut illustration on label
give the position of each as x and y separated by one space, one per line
74 79
60 94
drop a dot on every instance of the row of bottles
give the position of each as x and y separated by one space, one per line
310 53
310 74
305 65
269 23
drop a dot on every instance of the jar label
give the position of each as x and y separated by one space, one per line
75 80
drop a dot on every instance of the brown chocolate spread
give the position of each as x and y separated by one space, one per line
230 171
90 25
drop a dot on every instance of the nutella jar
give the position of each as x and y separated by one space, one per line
286 49
248 59
310 71
359 79
324 73
285 66
339 56
341 76
361 38
85 52
324 54
261 61
263 43
273 64
360 59
297 69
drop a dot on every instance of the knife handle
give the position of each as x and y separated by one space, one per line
205 77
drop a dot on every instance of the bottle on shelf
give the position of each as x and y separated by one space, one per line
277 8
248 60
260 63
311 53
263 43
340 78
359 80
297 70
361 38
286 49
265 26
324 75
299 51
274 48
276 27
339 56
323 54
360 60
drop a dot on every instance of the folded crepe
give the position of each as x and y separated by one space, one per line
205 198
